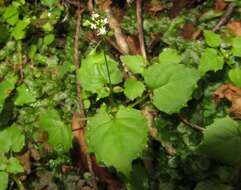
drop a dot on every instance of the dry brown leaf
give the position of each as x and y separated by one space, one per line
103 4
220 5
155 7
235 27
133 44
34 154
188 30
232 94
196 34
25 161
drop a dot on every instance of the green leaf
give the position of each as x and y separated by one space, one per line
5 142
48 39
3 162
222 141
49 3
14 166
18 31
24 96
3 180
169 56
6 88
209 15
11 15
138 179
11 139
212 185
59 135
235 76
94 75
236 44
17 138
117 140
210 61
135 63
133 88
172 84
212 39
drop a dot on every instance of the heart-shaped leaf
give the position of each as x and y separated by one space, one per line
172 85
117 140
96 74
222 141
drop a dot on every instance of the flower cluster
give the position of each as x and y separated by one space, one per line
97 23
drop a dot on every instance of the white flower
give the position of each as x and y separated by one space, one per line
105 21
93 26
49 14
102 31
95 15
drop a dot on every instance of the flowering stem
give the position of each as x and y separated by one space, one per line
110 85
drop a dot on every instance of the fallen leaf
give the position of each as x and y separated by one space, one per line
155 7
235 27
196 34
188 30
34 154
103 4
232 94
25 161
178 5
220 5
133 44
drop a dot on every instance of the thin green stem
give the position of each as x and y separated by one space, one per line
138 101
110 85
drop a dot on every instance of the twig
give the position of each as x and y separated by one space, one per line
140 27
18 182
79 98
119 36
225 17
90 5
20 59
186 122
114 45
74 3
